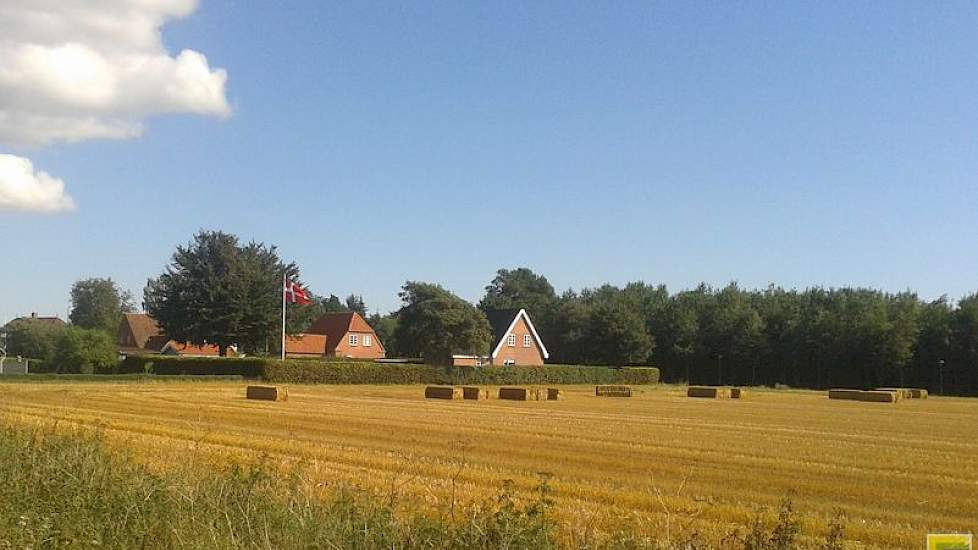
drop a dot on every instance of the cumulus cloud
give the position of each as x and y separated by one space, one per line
23 188
76 70
84 69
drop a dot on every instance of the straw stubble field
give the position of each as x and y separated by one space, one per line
897 471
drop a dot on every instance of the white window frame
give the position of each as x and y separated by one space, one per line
511 340
527 340
354 340
367 340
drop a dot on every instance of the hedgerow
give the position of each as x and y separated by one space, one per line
347 371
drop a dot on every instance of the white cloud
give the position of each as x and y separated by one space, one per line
23 188
74 70
85 69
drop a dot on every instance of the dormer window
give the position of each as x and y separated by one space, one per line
511 341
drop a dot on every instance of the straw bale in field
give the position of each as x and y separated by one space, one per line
442 392
852 395
519 394
876 396
904 393
474 392
554 394
709 392
738 393
268 393
918 393
613 391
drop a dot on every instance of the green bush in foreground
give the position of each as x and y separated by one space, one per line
68 491
345 371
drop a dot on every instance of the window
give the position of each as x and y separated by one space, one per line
367 340
354 339
509 362
511 341
526 340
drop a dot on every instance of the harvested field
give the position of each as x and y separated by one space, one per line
897 472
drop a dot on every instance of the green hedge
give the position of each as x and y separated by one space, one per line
555 374
304 371
251 367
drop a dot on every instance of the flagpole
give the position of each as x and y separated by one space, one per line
283 314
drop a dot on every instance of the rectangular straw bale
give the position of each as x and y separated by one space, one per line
918 393
613 391
710 392
904 393
442 392
876 396
738 393
852 395
555 394
474 392
268 393
519 394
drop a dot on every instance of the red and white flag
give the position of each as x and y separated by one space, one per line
295 294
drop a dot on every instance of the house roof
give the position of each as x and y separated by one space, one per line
306 344
335 326
54 321
502 322
143 329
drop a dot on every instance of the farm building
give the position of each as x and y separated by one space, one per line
305 345
341 334
140 335
515 340
184 349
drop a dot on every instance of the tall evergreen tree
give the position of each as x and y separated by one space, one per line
216 291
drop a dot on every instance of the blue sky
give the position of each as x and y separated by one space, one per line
830 144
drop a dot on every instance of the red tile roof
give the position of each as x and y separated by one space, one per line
335 326
190 350
306 344
142 326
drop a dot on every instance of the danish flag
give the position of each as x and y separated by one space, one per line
295 294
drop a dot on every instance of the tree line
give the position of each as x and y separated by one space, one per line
220 291
812 338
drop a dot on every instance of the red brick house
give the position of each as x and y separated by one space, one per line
140 335
346 335
515 340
